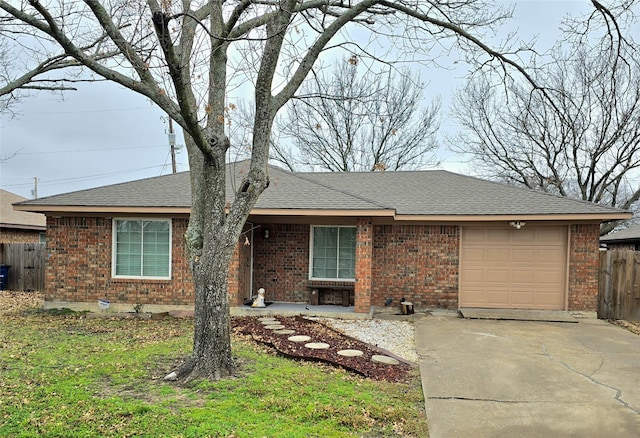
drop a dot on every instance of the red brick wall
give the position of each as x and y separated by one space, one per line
417 262
79 266
281 262
10 235
364 265
583 267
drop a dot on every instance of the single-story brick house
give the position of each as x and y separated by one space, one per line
623 239
436 238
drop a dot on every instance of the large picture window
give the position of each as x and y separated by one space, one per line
142 248
333 253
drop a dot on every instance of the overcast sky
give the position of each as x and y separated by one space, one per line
104 134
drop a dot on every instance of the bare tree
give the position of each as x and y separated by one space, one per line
188 56
580 138
359 122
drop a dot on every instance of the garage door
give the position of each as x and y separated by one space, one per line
508 268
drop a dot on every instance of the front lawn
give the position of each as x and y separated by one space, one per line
69 376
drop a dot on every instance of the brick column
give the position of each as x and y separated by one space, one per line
233 278
364 263
583 267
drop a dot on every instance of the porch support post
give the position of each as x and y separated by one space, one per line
364 264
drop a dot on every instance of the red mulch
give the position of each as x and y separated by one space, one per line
321 333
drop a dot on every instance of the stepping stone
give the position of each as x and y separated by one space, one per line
350 353
300 338
270 321
384 359
284 332
274 327
317 345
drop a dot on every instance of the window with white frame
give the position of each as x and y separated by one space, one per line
333 253
142 248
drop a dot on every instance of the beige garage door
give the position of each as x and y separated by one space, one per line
507 268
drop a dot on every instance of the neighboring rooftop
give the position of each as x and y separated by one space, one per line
416 193
10 218
628 235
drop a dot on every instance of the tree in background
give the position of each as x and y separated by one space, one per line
577 135
358 122
188 57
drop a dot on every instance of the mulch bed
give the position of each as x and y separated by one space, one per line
251 326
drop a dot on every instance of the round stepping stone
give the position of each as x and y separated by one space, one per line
274 327
350 353
270 321
384 359
317 345
284 332
299 338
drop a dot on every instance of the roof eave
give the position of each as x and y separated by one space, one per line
24 227
521 217
52 209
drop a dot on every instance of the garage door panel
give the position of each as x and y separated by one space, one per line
525 255
523 277
476 255
497 276
553 235
497 297
496 235
522 298
551 256
509 268
523 236
496 255
549 278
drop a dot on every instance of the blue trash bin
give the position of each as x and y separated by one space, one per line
4 275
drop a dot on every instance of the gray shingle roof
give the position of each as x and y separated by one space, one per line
439 192
630 234
425 193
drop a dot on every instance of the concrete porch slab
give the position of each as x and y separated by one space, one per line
518 315
300 309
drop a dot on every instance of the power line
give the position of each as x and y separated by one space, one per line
92 111
90 150
82 178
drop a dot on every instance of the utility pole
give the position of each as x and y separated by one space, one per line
172 144
34 192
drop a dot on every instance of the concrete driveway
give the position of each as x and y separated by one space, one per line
484 378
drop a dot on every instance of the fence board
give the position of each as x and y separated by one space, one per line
619 285
27 262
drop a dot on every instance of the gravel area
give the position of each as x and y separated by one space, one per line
394 336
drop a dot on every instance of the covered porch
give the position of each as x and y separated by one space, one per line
277 254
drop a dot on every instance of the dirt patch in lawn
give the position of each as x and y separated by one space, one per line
320 333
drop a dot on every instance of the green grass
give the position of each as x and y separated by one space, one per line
69 376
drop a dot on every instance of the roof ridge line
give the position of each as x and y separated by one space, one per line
344 192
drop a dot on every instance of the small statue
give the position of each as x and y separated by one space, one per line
259 301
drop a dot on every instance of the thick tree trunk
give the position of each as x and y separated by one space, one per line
211 246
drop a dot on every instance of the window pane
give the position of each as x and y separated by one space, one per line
142 248
333 252
347 253
325 257
128 248
156 249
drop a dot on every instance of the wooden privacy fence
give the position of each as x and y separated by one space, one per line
619 290
27 265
